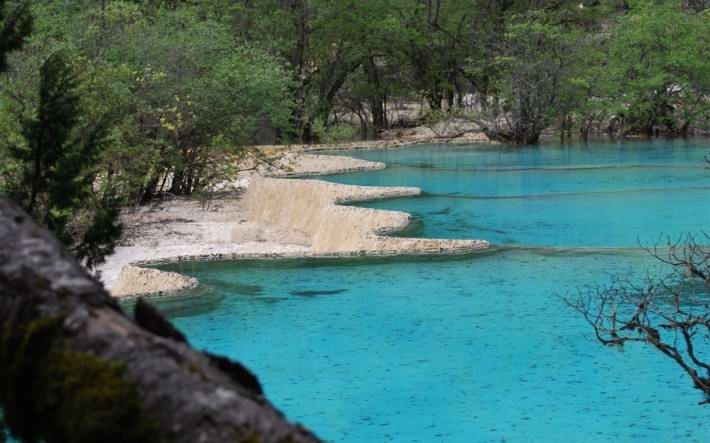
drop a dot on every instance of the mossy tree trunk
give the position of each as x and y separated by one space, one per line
75 368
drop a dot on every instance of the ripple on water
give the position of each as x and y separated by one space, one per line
473 348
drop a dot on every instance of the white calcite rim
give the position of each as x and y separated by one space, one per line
275 218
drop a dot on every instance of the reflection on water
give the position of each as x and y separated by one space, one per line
199 301
315 293
476 347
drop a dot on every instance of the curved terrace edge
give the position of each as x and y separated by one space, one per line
275 218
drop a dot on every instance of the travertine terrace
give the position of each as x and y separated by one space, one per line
316 209
273 218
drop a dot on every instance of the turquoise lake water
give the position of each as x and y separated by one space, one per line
477 348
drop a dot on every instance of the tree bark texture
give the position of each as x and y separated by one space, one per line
74 367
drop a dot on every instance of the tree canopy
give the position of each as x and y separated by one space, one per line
184 88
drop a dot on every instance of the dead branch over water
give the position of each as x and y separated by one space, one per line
670 313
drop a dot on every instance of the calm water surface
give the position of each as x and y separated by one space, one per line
476 348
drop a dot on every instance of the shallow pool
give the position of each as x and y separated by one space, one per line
474 348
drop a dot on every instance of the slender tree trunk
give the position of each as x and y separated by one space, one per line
434 99
685 128
338 74
376 99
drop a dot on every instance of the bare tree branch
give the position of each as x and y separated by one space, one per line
660 311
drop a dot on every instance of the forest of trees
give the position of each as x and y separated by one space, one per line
110 103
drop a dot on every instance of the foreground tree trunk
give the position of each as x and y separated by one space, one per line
75 368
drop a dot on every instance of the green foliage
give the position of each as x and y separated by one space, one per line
659 67
323 43
193 95
632 67
333 134
49 157
57 167
184 87
531 67
96 228
179 92
433 41
16 24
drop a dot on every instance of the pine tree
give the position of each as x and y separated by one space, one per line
57 181
15 26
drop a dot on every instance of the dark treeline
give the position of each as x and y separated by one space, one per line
116 102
